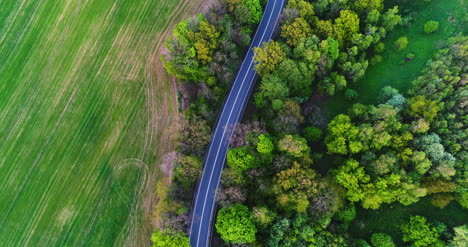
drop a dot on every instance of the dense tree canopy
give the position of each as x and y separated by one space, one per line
235 225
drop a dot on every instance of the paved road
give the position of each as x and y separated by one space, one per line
203 211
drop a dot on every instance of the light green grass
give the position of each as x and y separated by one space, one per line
81 112
453 20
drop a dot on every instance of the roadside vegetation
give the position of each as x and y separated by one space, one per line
357 173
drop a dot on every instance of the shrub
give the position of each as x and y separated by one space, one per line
382 240
351 94
441 200
431 26
347 215
379 47
312 134
410 56
376 59
401 43
169 239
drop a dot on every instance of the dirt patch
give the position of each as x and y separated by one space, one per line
164 111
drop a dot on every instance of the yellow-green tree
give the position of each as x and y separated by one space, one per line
267 57
295 31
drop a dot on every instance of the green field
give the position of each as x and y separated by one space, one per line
83 106
393 71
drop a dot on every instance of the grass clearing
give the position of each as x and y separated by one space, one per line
389 218
84 105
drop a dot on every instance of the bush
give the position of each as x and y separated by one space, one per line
379 47
169 239
312 134
376 59
382 240
410 56
351 94
347 215
401 43
431 26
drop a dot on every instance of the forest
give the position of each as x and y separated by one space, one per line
299 175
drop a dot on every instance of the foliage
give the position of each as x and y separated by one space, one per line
312 134
293 187
188 170
351 94
246 11
268 57
347 215
431 26
401 43
265 145
343 136
235 224
295 146
191 48
419 232
295 31
169 239
241 158
263 216
382 240
461 236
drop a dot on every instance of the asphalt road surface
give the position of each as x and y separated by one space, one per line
204 207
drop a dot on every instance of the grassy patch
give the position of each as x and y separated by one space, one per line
389 218
82 108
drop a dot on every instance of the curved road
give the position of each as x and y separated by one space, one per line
204 207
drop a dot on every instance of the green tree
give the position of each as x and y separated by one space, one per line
295 31
312 134
267 57
401 43
263 216
293 187
181 60
305 9
294 145
169 238
271 92
235 224
460 238
419 232
382 240
264 145
420 106
346 25
364 6
343 136
246 11
298 77
351 176
189 169
391 18
347 215
241 158
431 26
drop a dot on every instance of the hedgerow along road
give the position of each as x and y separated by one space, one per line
204 207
